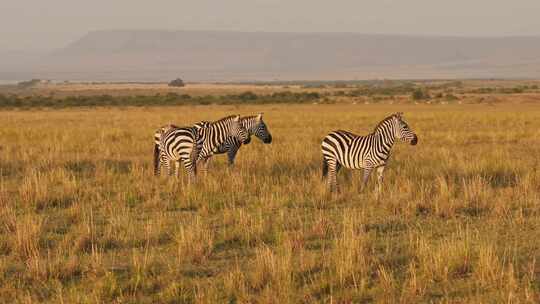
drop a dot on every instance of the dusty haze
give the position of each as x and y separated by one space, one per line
35 33
52 24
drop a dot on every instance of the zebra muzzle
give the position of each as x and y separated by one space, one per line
414 141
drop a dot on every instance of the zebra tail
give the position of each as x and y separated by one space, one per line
324 168
156 158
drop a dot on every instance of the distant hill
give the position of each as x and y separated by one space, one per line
149 55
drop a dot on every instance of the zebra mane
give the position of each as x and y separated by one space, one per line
385 120
202 124
245 118
230 117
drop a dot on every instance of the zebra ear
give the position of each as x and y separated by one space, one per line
399 115
236 118
259 117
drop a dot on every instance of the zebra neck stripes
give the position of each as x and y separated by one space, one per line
384 138
250 123
215 134
345 149
256 126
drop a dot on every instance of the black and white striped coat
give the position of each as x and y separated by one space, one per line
343 148
255 126
160 157
191 144
215 136
177 144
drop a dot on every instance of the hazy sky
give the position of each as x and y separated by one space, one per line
46 24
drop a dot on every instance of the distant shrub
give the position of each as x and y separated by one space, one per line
171 96
340 85
28 84
372 90
451 97
484 91
457 84
515 90
376 99
169 99
246 96
177 83
419 94
314 86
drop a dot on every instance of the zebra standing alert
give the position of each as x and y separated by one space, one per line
343 148
190 144
255 126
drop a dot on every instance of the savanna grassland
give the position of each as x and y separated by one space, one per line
83 219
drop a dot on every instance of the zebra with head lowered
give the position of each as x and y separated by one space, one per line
369 152
255 126
189 144
160 157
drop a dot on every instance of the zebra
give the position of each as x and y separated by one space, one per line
160 157
190 144
212 138
343 148
255 126
177 144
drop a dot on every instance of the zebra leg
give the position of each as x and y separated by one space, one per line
177 168
191 170
380 171
191 176
157 160
231 154
167 163
332 175
157 168
203 163
365 178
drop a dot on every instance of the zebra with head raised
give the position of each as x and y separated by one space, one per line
190 144
342 148
255 126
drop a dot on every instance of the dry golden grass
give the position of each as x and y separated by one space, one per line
82 218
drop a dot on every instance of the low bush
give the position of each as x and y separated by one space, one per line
170 99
